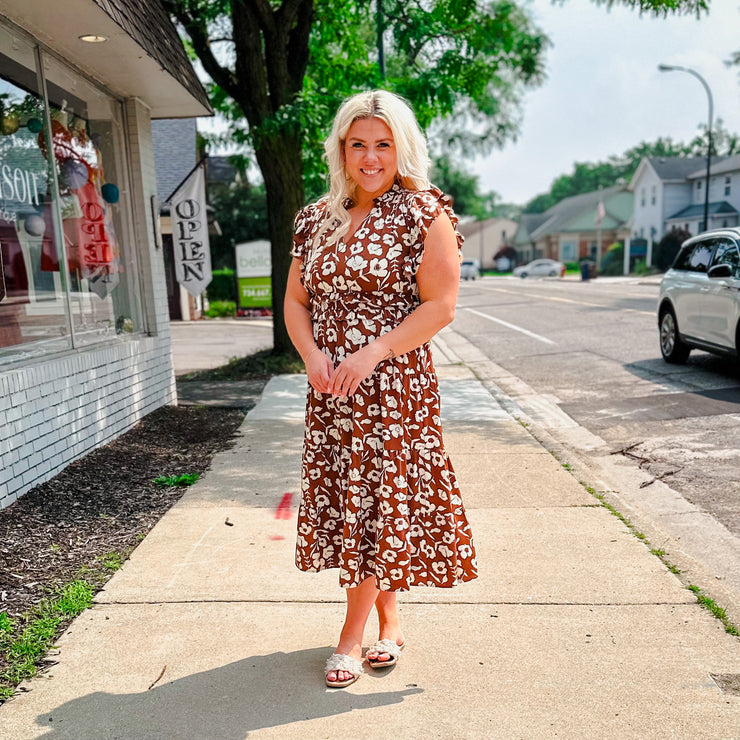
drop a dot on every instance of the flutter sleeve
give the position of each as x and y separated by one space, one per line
305 221
425 207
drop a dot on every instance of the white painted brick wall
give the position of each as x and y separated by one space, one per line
58 410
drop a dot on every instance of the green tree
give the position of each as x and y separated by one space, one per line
280 68
463 187
240 209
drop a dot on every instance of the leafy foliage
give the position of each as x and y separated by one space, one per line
668 247
258 366
463 187
661 7
171 481
612 263
241 212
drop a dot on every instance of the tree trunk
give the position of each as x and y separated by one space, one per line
280 161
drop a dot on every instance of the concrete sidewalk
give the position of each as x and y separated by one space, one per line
573 630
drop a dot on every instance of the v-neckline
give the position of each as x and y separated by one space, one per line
360 225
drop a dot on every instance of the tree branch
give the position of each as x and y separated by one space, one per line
198 33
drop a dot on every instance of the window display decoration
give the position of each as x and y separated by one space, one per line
91 243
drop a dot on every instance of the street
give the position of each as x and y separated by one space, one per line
587 353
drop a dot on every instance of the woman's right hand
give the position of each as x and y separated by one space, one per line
319 369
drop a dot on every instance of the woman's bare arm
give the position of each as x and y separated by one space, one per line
298 323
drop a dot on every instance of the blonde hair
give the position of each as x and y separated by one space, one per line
411 151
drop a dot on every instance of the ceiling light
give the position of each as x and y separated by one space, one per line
93 38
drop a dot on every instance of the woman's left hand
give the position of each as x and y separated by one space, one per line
349 373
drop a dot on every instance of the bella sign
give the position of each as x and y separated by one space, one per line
190 234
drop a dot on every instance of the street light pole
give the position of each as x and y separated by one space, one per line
675 68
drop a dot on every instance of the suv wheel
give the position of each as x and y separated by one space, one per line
671 346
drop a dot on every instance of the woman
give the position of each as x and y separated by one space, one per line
374 277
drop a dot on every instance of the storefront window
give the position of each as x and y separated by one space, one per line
33 316
68 273
88 156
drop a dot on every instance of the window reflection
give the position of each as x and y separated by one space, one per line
86 131
32 305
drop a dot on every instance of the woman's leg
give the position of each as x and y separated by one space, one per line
360 602
390 627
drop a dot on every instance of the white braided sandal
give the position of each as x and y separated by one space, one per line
385 646
342 662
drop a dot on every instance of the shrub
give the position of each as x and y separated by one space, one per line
220 309
613 261
668 248
223 286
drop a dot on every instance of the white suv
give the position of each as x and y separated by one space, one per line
699 303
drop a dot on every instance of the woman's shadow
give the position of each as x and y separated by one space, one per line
223 703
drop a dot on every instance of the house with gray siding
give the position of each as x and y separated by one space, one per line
670 193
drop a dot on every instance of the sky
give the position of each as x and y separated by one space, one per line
604 94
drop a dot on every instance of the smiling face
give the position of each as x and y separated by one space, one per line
370 157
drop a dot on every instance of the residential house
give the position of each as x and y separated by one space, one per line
670 194
84 327
576 228
483 239
523 242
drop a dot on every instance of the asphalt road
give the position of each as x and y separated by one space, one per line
589 350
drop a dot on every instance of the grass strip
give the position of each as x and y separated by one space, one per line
712 606
702 599
25 642
258 366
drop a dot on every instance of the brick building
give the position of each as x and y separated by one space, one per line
84 329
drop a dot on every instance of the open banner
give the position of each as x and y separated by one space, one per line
190 233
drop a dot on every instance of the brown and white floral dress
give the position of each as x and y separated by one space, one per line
379 495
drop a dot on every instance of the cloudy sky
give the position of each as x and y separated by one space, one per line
604 94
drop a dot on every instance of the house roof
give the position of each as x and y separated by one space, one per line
528 222
719 166
149 25
578 213
697 210
220 169
618 208
675 168
174 142
470 228
142 55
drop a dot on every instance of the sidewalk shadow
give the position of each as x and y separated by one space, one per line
225 703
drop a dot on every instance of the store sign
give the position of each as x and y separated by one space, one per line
253 270
20 186
190 234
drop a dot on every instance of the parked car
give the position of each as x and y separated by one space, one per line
699 300
540 268
470 269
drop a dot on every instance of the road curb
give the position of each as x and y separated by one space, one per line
705 552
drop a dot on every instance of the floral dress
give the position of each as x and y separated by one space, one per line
379 496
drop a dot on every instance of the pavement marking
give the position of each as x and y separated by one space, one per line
570 300
283 510
511 326
187 561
